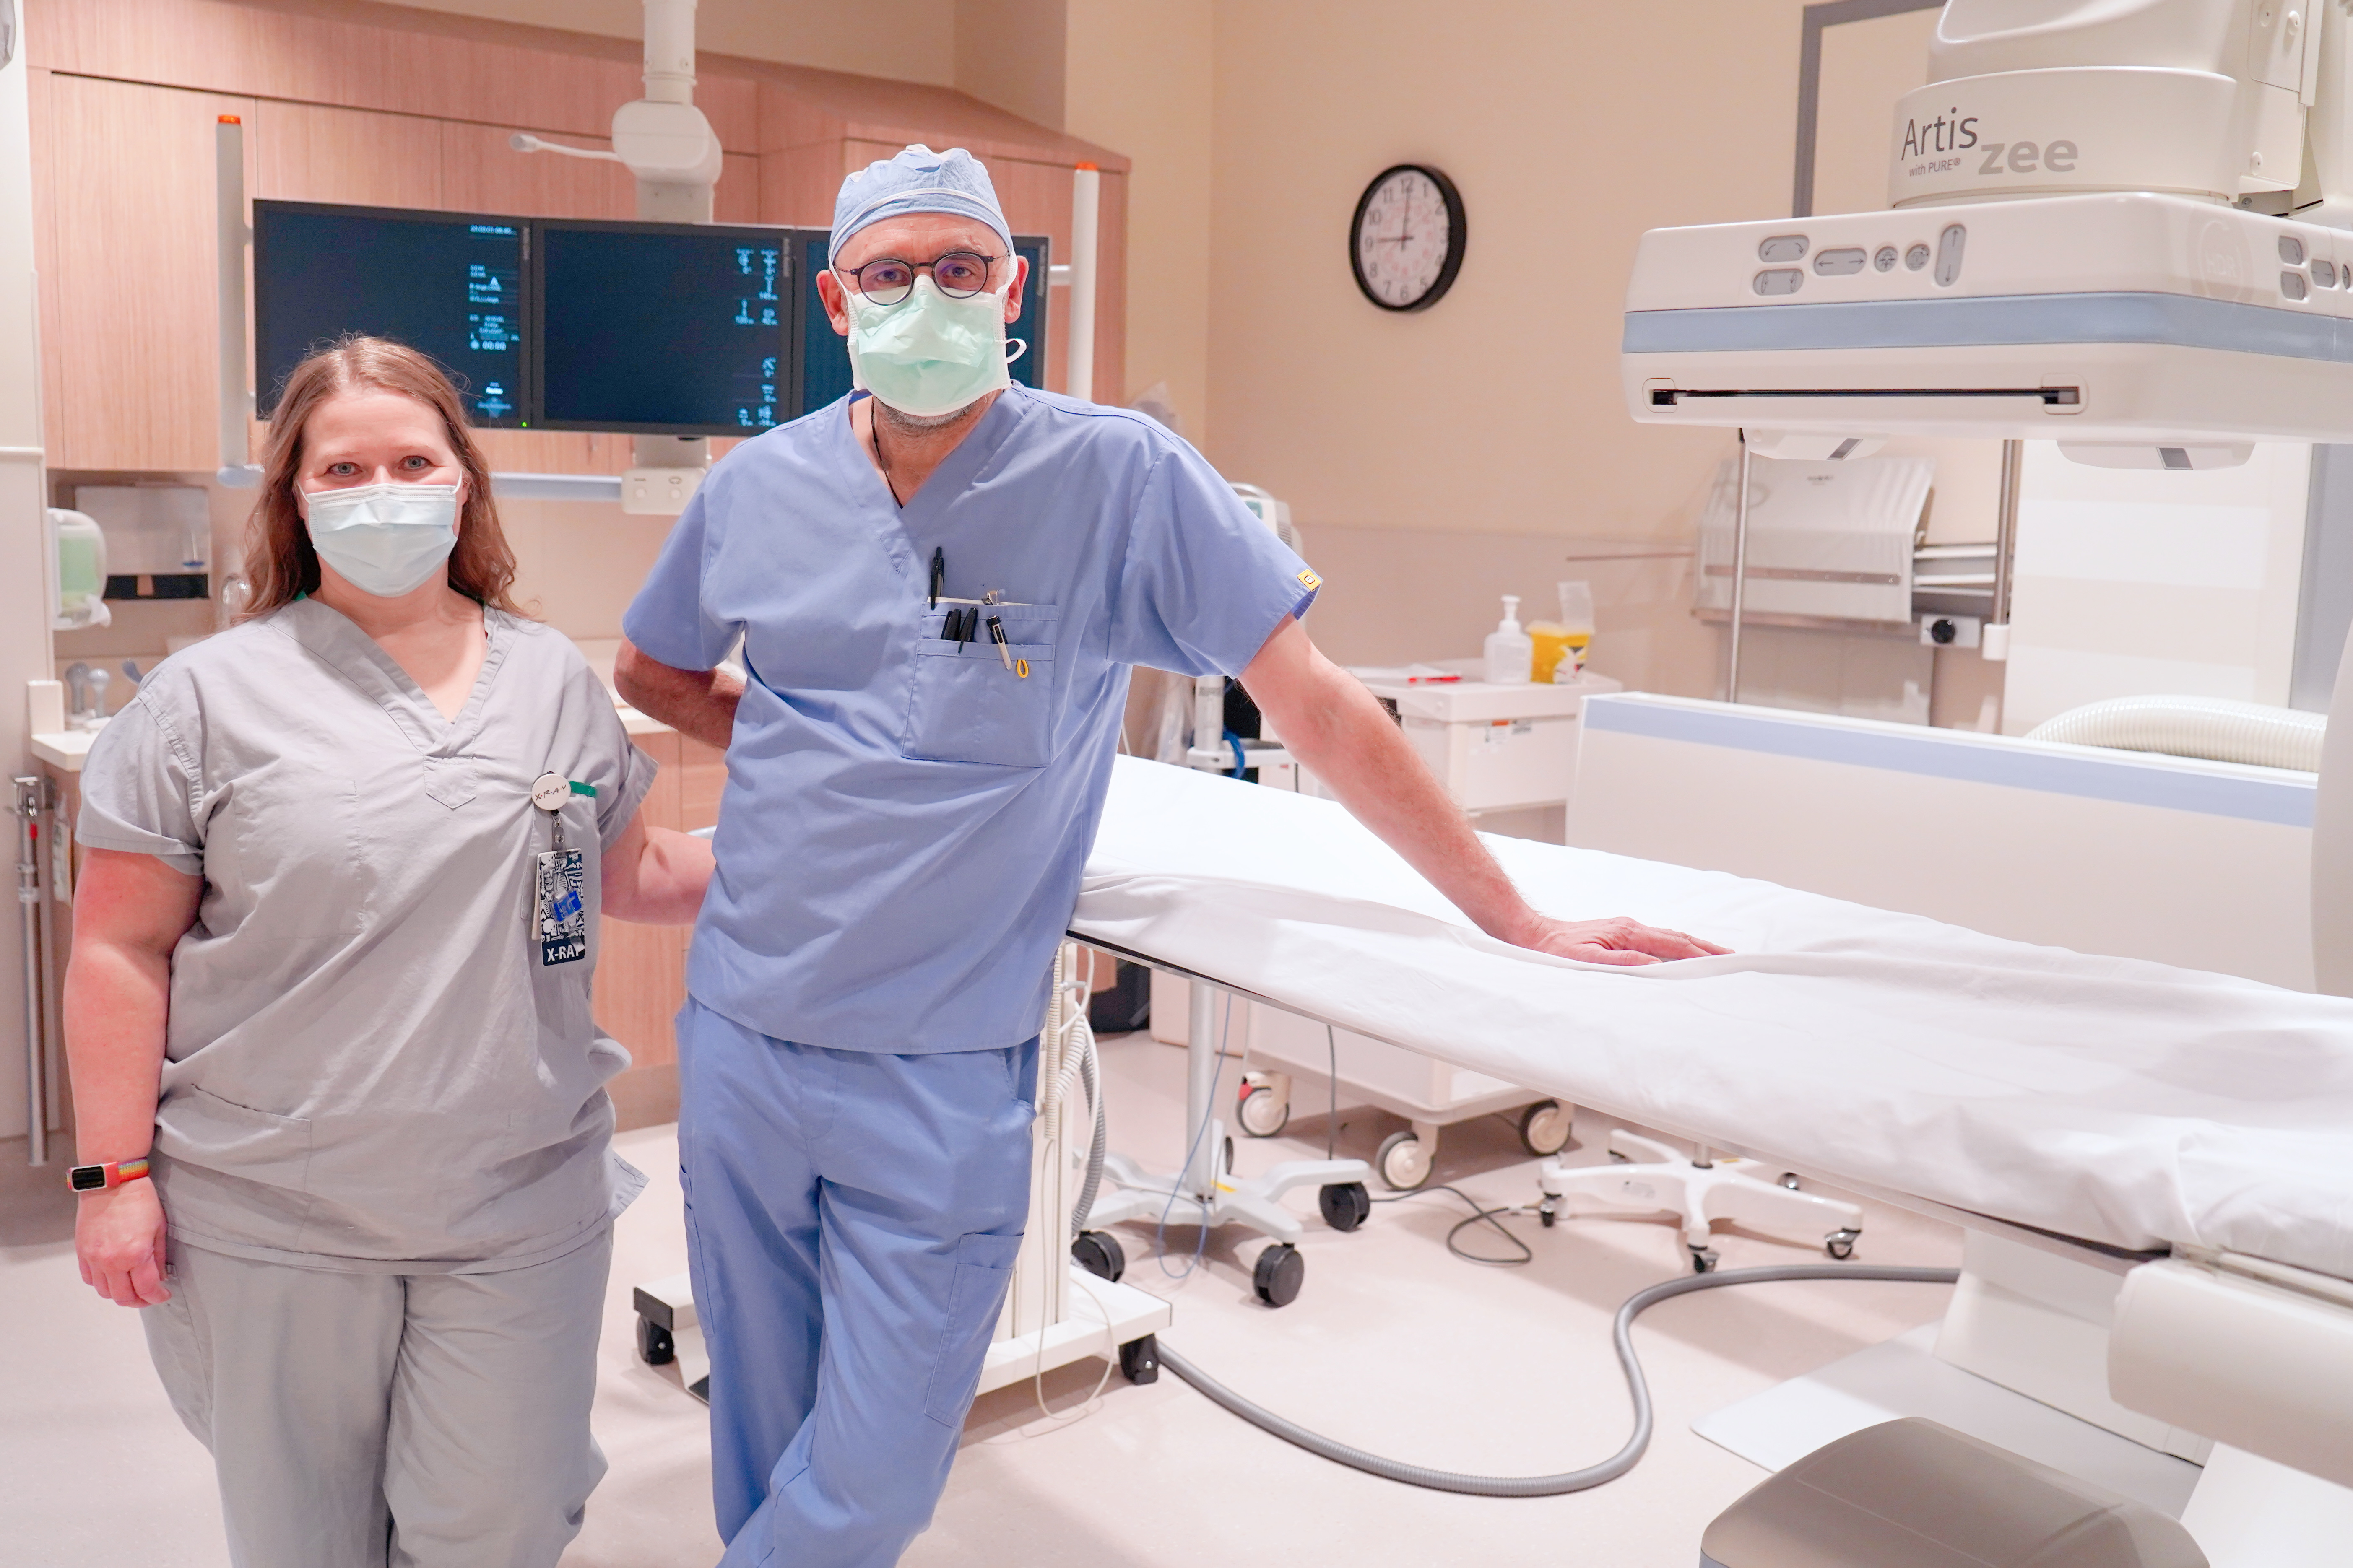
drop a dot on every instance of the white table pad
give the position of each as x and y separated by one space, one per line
2110 1099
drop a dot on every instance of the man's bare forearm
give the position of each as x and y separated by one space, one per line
698 703
1333 726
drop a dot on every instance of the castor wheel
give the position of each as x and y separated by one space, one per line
1839 1244
1098 1252
1543 1128
1548 1212
1262 1112
1704 1259
1403 1161
656 1347
1280 1272
1345 1204
1139 1360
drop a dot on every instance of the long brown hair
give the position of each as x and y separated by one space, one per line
279 560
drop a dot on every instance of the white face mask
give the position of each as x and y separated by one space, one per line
384 539
930 353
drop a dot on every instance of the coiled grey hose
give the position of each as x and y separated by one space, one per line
1609 1469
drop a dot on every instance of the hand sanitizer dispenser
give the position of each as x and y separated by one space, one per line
1510 655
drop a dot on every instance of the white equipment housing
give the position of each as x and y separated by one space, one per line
2063 260
2125 320
2089 240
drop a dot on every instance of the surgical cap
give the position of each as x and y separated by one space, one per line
917 181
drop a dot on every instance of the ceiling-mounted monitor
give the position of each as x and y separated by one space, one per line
451 285
661 329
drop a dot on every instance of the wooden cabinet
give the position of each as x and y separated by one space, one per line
126 254
640 969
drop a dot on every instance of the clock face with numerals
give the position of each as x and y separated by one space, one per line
1406 242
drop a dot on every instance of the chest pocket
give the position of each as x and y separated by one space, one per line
965 706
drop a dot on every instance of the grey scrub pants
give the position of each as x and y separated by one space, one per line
389 1420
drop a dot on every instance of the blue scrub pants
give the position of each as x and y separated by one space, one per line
852 1220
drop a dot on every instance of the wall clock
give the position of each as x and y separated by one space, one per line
1405 243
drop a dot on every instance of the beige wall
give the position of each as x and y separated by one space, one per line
1569 130
1011 53
1140 79
912 40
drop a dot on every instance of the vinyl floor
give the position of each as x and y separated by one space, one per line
1394 1345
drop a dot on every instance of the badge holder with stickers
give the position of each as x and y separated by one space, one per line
560 902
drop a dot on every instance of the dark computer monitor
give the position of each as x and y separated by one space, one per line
825 354
449 284
661 329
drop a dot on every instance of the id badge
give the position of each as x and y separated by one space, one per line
562 914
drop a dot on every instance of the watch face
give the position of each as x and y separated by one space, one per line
1408 240
87 1178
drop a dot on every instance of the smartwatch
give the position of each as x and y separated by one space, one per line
100 1178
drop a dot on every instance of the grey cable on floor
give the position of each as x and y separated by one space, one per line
1609 1469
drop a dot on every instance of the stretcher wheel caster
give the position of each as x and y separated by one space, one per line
1402 1161
1280 1272
1099 1253
654 1345
1345 1204
1262 1112
1548 1214
1139 1360
1839 1244
1704 1259
1543 1128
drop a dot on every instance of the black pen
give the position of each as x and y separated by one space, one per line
939 573
997 635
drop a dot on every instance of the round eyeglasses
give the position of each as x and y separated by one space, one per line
887 281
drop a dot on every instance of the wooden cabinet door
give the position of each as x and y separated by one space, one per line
131 359
641 970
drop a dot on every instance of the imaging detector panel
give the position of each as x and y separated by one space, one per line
2128 319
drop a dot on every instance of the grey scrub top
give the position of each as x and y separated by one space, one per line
368 1066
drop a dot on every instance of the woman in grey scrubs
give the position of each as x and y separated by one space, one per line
331 980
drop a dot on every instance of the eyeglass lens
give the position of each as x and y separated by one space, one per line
960 275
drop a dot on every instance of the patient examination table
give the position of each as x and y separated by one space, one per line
2186 1137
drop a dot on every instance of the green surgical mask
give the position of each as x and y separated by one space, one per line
930 354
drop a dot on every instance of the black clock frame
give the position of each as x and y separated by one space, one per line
1456 234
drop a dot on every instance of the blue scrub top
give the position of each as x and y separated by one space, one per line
906 820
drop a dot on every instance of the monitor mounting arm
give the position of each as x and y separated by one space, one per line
662 138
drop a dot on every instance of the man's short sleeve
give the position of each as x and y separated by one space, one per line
1204 582
667 620
138 792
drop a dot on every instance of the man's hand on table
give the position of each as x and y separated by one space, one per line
1619 941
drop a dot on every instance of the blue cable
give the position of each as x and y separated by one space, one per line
1208 1119
1242 760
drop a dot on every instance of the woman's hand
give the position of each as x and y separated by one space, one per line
119 1237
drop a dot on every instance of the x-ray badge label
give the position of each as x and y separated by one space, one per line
562 910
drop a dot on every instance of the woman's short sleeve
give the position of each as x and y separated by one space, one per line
632 772
139 788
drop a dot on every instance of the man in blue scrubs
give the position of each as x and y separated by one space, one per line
940 588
